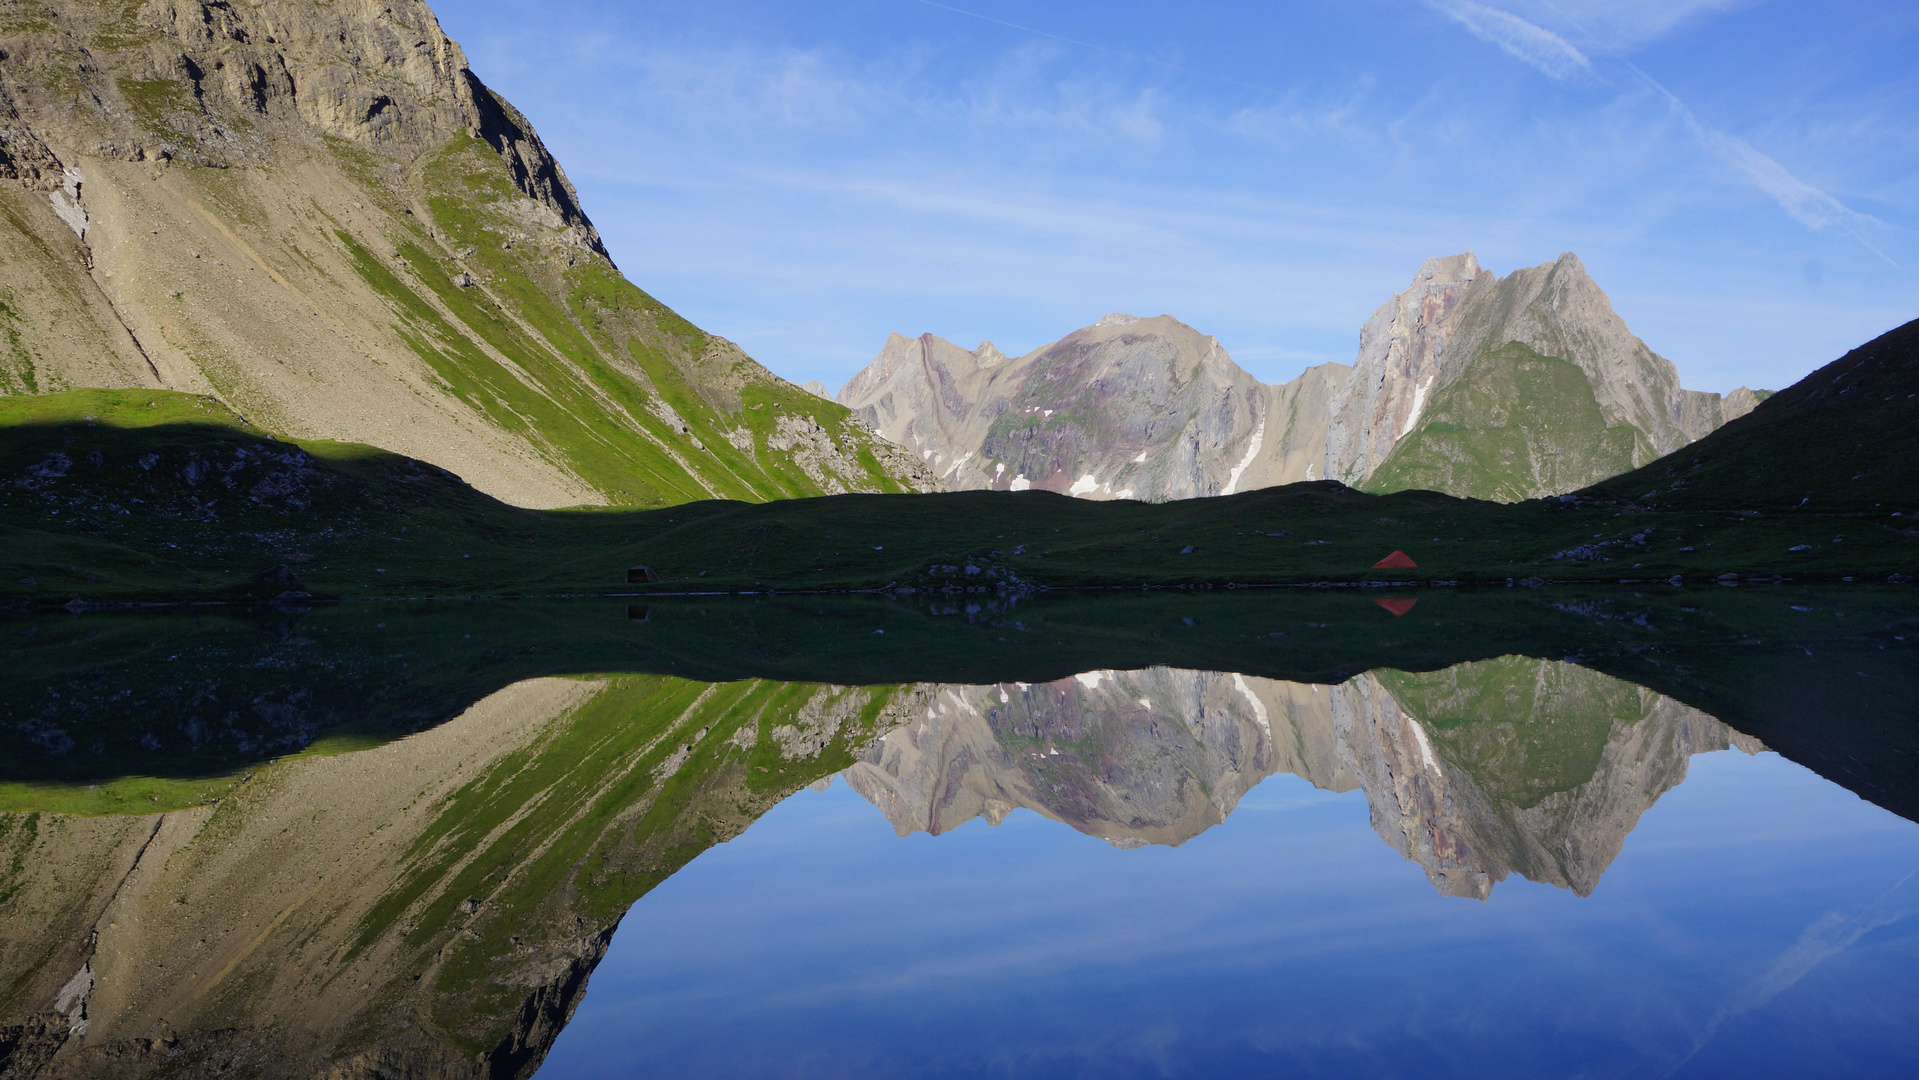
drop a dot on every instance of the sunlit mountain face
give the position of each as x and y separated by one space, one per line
1661 833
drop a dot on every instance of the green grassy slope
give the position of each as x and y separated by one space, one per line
1513 423
625 393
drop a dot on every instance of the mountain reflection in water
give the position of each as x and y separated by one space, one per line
424 889
1477 771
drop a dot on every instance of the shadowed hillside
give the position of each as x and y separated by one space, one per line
1843 439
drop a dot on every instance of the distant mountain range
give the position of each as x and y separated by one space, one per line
1465 383
317 214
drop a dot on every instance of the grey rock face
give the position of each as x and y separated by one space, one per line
384 76
1125 408
1152 409
1402 349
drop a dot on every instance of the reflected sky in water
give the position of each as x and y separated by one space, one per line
1759 921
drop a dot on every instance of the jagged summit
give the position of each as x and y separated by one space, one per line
1448 269
1128 407
1150 408
213 84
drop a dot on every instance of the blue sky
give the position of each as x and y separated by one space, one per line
1741 177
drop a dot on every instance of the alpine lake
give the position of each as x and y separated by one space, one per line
1569 831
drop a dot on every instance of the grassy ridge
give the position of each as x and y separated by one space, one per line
1845 439
148 495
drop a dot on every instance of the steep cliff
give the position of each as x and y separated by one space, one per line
1437 398
317 213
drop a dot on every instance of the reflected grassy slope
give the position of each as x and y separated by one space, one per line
432 905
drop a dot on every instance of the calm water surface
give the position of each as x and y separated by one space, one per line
1759 922
1529 833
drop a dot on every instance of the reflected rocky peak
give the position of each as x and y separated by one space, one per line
1515 765
1155 756
1475 772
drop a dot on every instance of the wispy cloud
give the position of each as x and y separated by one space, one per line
1543 49
1807 204
1118 54
1828 936
1291 118
1558 58
1616 27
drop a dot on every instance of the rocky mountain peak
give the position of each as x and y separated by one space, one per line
1448 270
1133 407
1124 407
1402 351
220 85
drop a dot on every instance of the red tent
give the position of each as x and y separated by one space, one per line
1398 560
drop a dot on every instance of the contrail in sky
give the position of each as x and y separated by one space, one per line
1808 205
1016 26
1536 45
1557 57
